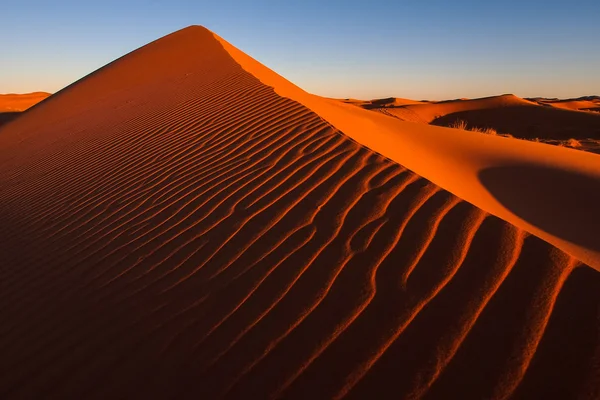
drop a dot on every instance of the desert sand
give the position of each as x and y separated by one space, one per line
185 223
20 102
539 119
587 103
12 105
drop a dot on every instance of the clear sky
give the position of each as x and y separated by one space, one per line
362 49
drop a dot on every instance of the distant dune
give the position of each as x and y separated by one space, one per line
185 223
20 102
586 103
529 121
571 123
507 114
434 111
11 105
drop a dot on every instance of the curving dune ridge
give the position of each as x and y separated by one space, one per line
184 231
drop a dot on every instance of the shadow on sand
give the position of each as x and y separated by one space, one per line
6 117
562 203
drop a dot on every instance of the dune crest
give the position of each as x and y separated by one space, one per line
586 103
455 159
430 112
173 227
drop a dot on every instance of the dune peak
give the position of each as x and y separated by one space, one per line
186 223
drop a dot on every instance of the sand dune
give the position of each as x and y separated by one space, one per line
531 122
384 103
6 117
11 105
542 119
202 228
392 106
428 111
589 103
20 102
582 105
432 111
475 167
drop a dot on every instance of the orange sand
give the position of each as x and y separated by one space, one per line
591 103
475 167
185 223
507 114
11 105
20 102
430 112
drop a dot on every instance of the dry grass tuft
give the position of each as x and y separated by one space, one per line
461 124
571 143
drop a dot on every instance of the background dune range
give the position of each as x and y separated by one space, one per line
172 227
573 123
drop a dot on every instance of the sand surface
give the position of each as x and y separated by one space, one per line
201 228
20 102
12 105
475 167
588 103
540 119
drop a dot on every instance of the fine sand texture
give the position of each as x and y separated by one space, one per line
477 168
12 105
184 223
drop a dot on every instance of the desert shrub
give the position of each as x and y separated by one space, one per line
461 124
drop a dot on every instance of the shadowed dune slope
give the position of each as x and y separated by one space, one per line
521 118
530 122
6 117
182 231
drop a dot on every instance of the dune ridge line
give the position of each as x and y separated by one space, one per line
171 227
455 159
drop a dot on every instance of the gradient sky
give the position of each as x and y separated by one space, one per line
362 49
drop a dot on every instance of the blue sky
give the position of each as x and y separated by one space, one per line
415 49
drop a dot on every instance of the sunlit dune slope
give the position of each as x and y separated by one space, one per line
576 105
549 191
392 106
173 227
431 111
20 102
